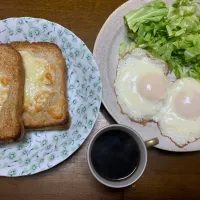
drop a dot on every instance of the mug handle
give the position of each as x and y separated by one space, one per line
152 142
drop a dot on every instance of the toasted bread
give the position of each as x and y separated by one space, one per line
11 94
48 108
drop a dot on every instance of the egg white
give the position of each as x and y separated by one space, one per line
131 69
179 118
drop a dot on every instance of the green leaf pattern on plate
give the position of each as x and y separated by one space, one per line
41 150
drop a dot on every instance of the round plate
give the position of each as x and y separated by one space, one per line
41 150
105 52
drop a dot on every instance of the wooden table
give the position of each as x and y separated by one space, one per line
167 176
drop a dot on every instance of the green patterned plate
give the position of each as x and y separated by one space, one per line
41 150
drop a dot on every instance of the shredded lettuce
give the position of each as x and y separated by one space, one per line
123 48
172 34
132 47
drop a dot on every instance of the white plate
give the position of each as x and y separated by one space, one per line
105 52
41 150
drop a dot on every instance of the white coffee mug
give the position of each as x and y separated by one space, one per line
143 156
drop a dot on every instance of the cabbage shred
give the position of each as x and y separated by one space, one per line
172 34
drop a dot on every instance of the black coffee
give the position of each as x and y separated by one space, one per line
115 155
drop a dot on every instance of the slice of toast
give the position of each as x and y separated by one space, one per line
45 102
11 94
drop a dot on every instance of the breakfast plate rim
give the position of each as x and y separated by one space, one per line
98 94
95 49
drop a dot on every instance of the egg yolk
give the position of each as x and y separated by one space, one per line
187 104
152 87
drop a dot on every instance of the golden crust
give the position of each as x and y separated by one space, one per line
51 53
11 123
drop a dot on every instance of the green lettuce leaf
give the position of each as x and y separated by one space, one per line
151 12
122 49
170 34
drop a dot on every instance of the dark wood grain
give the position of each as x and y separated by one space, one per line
167 176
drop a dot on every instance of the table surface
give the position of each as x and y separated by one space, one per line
167 176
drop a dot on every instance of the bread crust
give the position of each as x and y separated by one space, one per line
11 123
52 53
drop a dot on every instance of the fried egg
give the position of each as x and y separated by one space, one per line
179 118
141 85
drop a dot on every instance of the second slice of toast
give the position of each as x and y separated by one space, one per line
45 102
11 94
